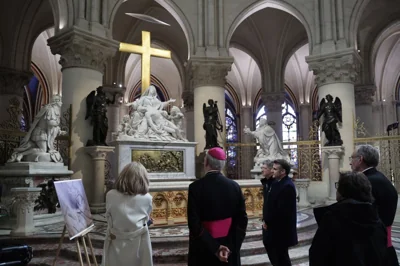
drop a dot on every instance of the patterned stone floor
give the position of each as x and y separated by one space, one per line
170 243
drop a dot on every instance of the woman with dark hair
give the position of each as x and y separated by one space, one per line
350 232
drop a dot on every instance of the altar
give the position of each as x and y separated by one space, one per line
172 161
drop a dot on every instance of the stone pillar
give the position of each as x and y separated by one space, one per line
247 152
208 77
188 102
97 197
334 155
304 121
12 92
302 187
335 75
273 102
113 110
24 203
363 99
83 58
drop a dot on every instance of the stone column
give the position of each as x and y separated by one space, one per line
302 188
363 99
334 155
304 121
24 203
247 152
12 92
113 110
273 102
335 74
83 57
208 77
188 103
97 198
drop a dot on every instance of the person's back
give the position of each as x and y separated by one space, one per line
385 195
351 235
350 232
128 208
220 199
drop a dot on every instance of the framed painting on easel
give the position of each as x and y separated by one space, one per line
77 216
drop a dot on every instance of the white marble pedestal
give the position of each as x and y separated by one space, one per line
97 200
29 175
24 203
302 186
334 154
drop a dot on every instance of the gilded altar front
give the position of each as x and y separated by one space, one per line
170 207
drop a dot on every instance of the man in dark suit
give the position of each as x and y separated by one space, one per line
217 216
365 159
267 180
281 217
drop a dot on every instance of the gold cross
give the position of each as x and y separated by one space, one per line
146 51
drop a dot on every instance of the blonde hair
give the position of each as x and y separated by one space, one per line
133 180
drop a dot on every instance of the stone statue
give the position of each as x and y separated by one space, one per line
212 123
332 111
270 146
38 144
96 104
149 121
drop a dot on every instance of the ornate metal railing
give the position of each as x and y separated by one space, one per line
305 155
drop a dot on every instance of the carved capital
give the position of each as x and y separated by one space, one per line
364 94
25 198
209 72
333 152
99 152
302 183
188 100
119 92
79 48
12 81
273 101
339 67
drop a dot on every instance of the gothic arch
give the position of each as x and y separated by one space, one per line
354 22
280 5
133 92
175 11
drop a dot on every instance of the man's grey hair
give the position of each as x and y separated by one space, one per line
369 153
214 163
268 163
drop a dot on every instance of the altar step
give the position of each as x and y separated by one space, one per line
170 250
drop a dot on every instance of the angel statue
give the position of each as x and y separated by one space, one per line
96 104
270 145
38 143
212 123
332 111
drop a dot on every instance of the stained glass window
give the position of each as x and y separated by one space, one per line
232 166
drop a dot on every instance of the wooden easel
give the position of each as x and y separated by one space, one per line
78 246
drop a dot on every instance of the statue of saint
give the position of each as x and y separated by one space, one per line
270 146
332 112
38 144
96 104
212 123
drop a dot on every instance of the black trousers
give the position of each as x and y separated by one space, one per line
278 255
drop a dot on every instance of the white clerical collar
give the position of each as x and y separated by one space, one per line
366 169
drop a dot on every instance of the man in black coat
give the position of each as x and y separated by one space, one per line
350 232
281 218
217 216
365 159
267 180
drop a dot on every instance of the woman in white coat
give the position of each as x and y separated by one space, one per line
128 208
